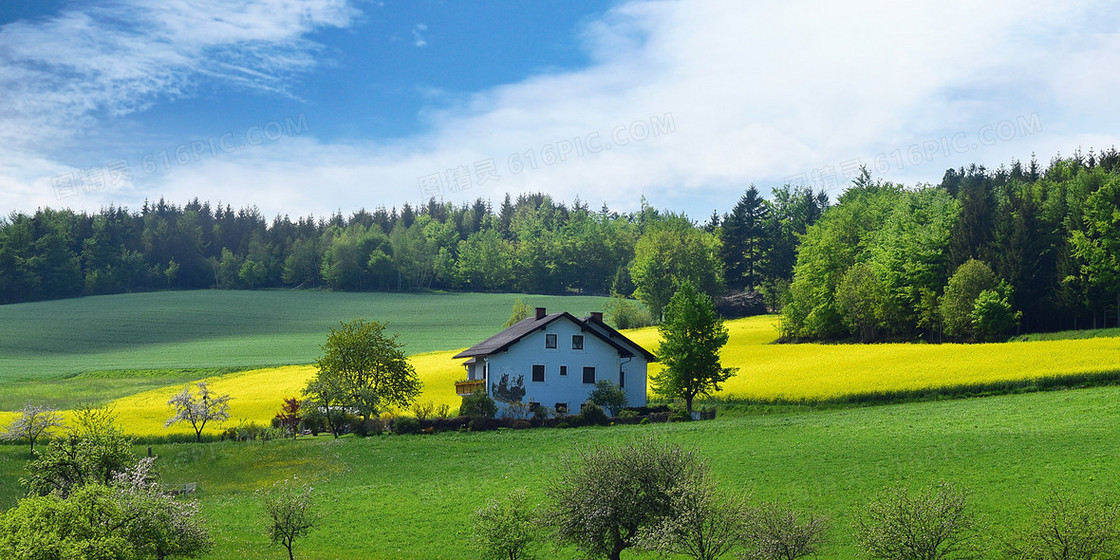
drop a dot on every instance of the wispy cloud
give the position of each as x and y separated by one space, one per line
418 35
114 58
757 91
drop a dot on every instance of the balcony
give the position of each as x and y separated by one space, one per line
470 386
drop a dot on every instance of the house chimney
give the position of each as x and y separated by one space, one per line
597 316
540 313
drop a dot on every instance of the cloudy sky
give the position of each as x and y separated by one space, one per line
314 106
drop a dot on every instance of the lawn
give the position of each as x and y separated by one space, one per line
402 497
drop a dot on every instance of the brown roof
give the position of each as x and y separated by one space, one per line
503 340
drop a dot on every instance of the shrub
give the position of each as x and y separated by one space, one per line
516 410
627 313
1067 528
933 525
680 415
563 425
609 396
506 529
644 421
366 428
406 425
774 532
423 411
591 415
522 424
443 410
478 404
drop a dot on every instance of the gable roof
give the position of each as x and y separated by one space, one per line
614 334
503 340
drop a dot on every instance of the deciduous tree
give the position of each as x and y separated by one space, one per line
368 368
507 529
932 525
691 337
604 496
33 422
198 408
290 512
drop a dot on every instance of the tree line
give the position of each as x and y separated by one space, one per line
530 244
876 265
975 257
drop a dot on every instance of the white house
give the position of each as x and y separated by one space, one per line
554 360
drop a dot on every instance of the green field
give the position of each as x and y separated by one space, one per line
403 497
223 329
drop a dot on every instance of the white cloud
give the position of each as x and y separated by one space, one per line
418 39
758 92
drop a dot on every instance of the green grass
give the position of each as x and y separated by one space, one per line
235 329
411 497
1070 335
91 388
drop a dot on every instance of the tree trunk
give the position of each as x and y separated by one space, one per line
688 404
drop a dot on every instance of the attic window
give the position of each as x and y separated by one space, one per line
577 342
550 341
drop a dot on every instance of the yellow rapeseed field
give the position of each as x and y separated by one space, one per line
766 371
822 371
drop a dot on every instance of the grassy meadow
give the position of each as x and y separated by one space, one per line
768 372
235 329
404 497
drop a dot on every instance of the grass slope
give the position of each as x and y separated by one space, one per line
402 497
218 329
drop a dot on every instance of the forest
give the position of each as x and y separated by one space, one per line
883 262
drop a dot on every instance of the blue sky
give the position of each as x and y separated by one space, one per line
313 106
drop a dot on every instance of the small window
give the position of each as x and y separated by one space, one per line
577 342
561 408
538 373
589 374
550 341
564 371
621 379
534 406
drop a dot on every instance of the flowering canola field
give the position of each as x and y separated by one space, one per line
766 371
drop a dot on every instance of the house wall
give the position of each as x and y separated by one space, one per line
521 356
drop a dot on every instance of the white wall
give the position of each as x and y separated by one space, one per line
570 389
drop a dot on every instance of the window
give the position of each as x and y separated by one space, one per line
577 342
538 373
621 379
589 374
550 341
534 406
561 408
564 371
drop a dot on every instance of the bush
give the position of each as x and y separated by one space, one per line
406 425
680 415
563 425
609 396
522 424
591 415
627 313
1067 528
932 525
478 405
644 421
366 428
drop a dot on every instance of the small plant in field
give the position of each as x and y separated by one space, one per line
1067 528
290 512
775 532
443 411
198 408
932 525
507 529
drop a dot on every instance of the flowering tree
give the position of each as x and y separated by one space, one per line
198 408
34 421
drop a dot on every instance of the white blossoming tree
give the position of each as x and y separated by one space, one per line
198 408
